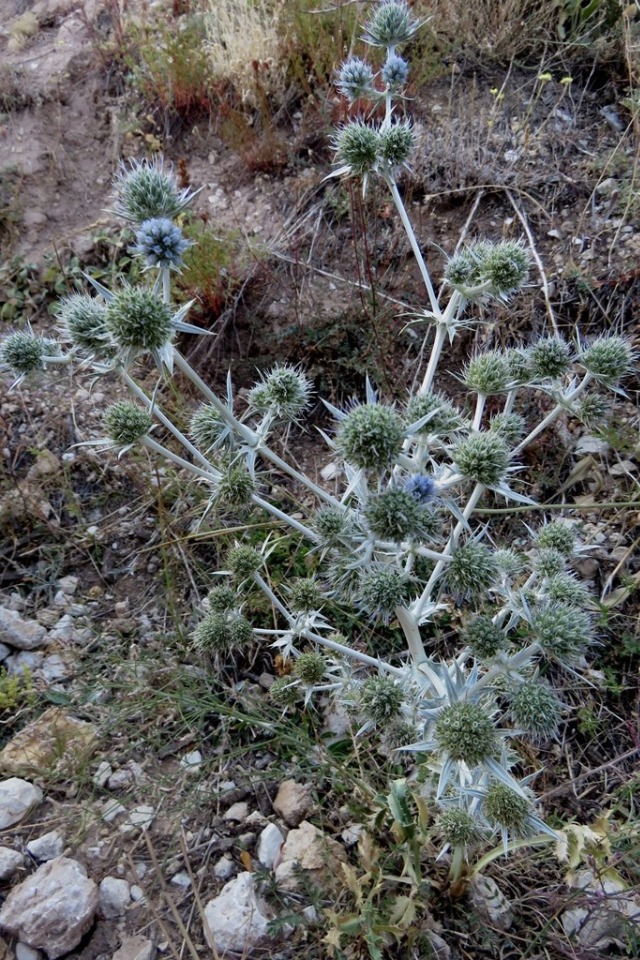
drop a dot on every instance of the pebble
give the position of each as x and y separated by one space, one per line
293 802
19 633
115 897
237 812
137 893
181 879
102 773
10 862
191 762
17 798
134 948
224 868
269 845
140 818
47 847
237 921
24 952
111 809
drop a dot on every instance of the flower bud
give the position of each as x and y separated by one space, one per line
395 71
380 699
126 423
145 190
482 457
370 436
207 426
284 393
390 25
562 631
484 638
355 79
488 374
223 632
507 809
83 320
395 515
310 667
380 590
535 709
471 571
608 358
332 526
565 588
519 362
221 599
445 419
284 692
548 562
550 358
24 353
243 561
395 143
466 733
137 319
458 828
356 146
593 410
508 563
161 243
560 536
305 595
508 426
235 487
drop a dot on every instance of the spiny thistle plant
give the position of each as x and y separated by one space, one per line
401 541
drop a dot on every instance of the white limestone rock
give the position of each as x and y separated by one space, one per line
269 845
17 798
10 862
19 633
115 897
308 849
53 908
236 920
293 802
134 948
47 847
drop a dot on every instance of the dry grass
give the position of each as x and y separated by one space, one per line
243 46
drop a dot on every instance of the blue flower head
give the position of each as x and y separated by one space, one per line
395 71
421 487
161 242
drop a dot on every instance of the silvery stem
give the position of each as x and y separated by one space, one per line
550 417
406 223
152 444
243 431
411 631
276 512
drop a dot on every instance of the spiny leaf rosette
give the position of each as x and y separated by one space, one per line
450 614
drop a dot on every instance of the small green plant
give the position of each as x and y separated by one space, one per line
16 690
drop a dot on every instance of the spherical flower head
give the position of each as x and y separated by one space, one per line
221 599
519 362
608 359
284 393
235 487
550 358
161 243
471 571
394 515
506 266
567 589
310 667
395 72
444 420
356 146
138 320
462 271
594 410
380 699
484 638
126 423
488 374
466 733
535 709
563 632
355 79
390 25
482 457
508 426
332 526
458 828
223 632
146 191
421 487
395 143
557 535
370 436
507 809
284 692
24 353
83 321
207 426
305 595
548 562
380 590
508 563
243 561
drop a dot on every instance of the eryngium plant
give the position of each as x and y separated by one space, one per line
400 540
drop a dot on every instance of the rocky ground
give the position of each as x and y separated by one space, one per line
132 826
